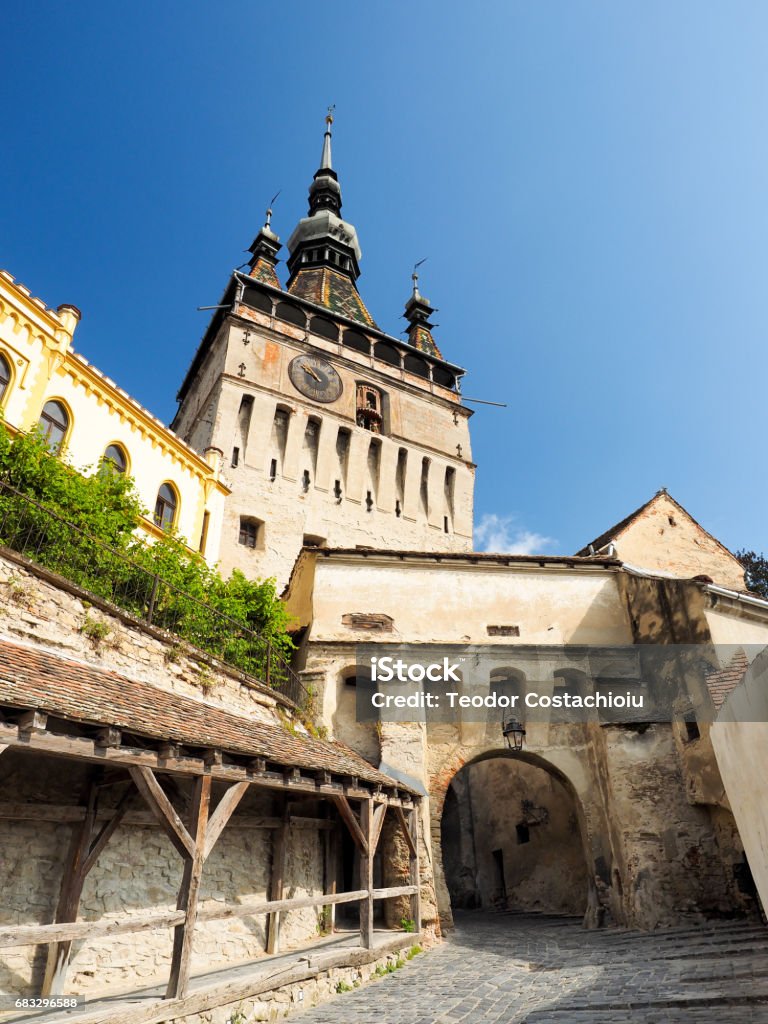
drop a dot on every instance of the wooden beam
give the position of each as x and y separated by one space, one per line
257 907
330 874
366 875
107 830
39 934
109 737
12 936
71 889
349 819
163 810
224 811
279 847
189 891
405 829
415 872
32 721
377 825
394 891
237 987
81 748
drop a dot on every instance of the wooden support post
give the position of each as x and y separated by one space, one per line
349 819
224 811
414 869
276 881
366 875
84 849
163 810
189 891
377 825
330 875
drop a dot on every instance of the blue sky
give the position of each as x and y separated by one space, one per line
587 179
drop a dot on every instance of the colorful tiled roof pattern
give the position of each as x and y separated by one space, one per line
335 291
421 338
35 679
263 270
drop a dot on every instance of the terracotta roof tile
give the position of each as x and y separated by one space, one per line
721 684
31 678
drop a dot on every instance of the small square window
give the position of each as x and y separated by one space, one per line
249 533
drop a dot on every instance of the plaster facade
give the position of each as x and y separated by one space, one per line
661 536
36 345
656 835
306 471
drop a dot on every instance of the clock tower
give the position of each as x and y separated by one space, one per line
329 431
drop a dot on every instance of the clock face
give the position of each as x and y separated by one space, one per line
314 377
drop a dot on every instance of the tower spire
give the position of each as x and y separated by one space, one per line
417 313
264 249
325 159
324 260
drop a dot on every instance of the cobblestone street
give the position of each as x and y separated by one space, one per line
504 969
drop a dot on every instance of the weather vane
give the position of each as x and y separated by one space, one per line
415 276
269 208
329 115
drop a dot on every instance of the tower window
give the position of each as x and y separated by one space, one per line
368 501
273 470
398 509
369 408
523 833
305 480
424 488
445 524
251 533
337 492
235 457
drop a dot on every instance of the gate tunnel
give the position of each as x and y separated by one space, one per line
511 838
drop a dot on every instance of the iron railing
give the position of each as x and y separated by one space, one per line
46 538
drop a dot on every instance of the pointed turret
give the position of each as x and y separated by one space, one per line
264 249
324 261
417 313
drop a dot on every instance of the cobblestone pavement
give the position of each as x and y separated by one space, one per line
509 969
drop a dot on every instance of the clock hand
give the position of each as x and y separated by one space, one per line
311 372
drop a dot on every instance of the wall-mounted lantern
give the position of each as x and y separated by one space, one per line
513 732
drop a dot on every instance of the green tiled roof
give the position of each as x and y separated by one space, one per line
264 271
335 291
421 338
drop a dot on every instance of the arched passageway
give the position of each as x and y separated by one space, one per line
511 838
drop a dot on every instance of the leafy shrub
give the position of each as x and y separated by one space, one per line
84 527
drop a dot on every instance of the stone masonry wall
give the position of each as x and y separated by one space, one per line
139 870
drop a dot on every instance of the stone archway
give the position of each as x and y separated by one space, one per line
512 837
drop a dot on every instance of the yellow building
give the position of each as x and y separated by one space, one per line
46 385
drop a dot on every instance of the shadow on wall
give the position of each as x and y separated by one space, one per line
511 840
360 736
